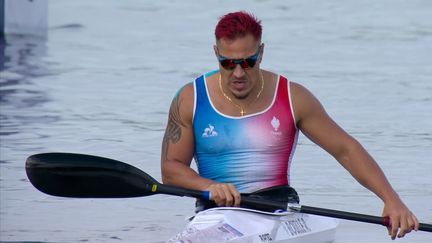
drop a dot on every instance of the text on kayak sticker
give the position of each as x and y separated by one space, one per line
226 228
296 227
265 237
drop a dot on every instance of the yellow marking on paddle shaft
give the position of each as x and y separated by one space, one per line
154 188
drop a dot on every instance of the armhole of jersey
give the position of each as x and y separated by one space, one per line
293 148
195 101
196 91
291 103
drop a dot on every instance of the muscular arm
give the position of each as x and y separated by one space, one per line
317 125
178 150
178 144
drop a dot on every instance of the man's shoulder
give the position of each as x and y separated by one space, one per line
296 87
211 73
300 94
183 102
188 89
186 92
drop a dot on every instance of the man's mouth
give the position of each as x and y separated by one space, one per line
238 85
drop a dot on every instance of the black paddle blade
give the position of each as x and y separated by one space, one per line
87 176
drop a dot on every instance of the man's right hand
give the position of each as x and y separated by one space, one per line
224 194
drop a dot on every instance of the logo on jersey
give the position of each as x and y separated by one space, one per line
275 124
209 132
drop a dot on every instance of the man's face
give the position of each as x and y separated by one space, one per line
240 80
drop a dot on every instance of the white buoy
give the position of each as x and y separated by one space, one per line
23 17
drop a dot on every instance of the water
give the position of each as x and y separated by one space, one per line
102 81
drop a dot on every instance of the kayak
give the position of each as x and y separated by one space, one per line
240 225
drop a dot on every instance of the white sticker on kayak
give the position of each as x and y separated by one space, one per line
296 226
221 232
228 229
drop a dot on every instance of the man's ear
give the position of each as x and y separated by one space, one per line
215 50
261 53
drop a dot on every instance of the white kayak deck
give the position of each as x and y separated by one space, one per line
241 225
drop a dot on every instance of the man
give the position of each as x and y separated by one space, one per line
241 125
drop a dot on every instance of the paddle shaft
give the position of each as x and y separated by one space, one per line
353 216
246 201
258 203
178 191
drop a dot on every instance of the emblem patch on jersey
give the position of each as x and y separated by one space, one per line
209 132
275 124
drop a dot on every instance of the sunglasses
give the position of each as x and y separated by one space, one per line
245 63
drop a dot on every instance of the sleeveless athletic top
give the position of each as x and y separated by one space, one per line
252 152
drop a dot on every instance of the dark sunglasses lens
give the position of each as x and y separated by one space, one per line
249 63
228 64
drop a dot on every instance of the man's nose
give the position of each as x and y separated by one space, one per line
238 71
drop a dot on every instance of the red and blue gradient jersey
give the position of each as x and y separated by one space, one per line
252 152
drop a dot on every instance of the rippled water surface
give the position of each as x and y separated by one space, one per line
100 83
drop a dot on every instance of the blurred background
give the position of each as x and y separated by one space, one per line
99 77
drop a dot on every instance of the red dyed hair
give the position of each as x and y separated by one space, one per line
238 24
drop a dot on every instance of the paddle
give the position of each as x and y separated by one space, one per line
87 176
